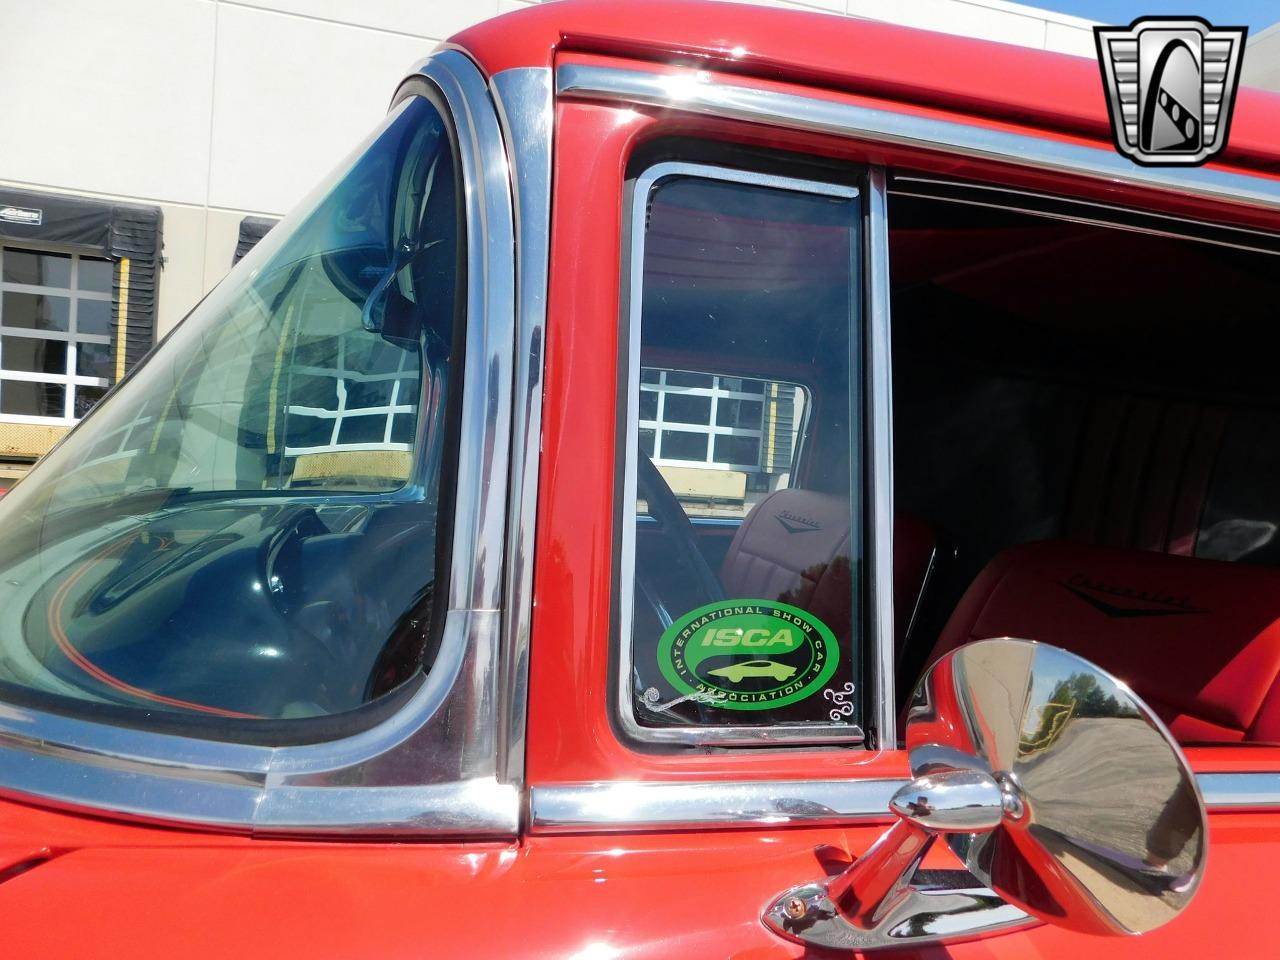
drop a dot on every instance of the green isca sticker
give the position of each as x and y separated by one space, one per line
748 654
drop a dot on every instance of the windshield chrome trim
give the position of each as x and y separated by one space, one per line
633 269
431 768
622 805
703 93
524 100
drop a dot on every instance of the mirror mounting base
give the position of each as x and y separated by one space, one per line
941 905
883 899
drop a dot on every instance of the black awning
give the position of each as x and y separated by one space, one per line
128 233
103 226
252 229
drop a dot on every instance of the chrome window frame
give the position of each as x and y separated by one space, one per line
449 762
882 710
524 99
621 806
728 735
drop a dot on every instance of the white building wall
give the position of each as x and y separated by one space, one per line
1261 66
215 109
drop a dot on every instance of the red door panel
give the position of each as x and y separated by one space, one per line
643 896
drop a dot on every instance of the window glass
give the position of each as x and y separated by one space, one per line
37 269
744 540
1085 425
33 399
94 318
35 312
95 274
53 306
33 355
93 360
247 528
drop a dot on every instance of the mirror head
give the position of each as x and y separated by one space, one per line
1100 825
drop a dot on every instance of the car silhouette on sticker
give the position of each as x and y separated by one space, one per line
737 672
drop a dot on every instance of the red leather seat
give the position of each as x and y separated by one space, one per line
1199 640
794 546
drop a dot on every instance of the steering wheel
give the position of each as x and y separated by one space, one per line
683 581
698 584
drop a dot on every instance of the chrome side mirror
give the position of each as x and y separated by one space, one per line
1057 787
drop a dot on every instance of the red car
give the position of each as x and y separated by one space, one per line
589 526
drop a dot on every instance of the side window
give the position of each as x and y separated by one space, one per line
741 593
1086 413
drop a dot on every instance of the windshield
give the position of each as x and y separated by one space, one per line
247 527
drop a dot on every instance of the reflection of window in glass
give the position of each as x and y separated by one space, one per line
55 334
735 425
364 401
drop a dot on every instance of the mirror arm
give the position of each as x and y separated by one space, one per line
945 801
874 902
873 884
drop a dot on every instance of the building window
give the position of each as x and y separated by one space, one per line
55 334
720 442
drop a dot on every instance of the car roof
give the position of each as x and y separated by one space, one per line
997 81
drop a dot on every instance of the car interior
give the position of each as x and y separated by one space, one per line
1086 448
1085 416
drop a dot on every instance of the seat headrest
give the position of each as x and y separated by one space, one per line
785 534
1198 639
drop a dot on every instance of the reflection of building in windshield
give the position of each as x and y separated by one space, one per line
721 443
357 403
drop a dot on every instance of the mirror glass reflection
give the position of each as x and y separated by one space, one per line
1104 829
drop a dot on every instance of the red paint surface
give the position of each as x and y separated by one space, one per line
658 895
572 619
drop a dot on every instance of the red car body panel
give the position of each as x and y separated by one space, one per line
647 895
76 886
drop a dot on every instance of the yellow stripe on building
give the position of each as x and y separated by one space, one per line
772 415
121 339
